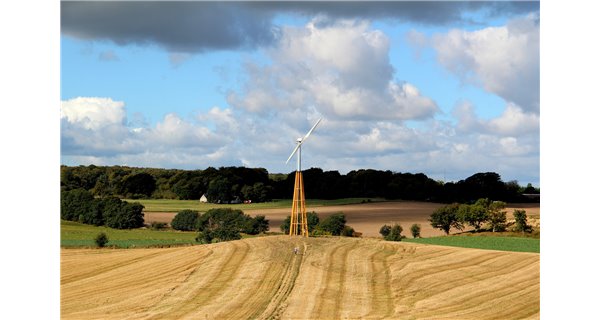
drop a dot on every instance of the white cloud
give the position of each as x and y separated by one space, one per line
512 122
503 60
98 127
92 112
341 69
515 122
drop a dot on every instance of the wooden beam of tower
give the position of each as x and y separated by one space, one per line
298 219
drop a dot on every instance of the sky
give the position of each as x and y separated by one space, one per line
448 89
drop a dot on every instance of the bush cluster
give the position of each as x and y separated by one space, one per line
101 239
392 233
333 225
186 220
483 211
79 205
222 224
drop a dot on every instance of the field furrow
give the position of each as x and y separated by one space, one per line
381 299
332 278
332 291
201 295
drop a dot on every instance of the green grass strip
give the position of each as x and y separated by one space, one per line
517 244
73 234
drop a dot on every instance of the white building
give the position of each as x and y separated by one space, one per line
203 199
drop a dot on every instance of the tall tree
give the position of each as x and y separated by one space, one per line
445 218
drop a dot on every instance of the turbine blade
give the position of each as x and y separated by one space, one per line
293 152
311 129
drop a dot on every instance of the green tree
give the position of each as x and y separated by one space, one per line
256 225
74 203
94 214
474 215
497 217
224 224
101 239
102 186
385 230
122 214
415 230
521 221
445 218
395 233
138 185
285 225
261 223
186 220
223 232
219 190
204 237
334 223
259 192
312 221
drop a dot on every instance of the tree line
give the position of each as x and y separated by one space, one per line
227 184
482 213
81 206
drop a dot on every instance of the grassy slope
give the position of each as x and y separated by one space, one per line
168 205
73 234
518 244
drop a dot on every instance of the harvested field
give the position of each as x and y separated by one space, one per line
369 217
331 278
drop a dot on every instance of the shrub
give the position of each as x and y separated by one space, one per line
224 233
415 230
334 223
122 214
521 221
204 237
385 230
348 231
186 220
285 225
155 225
257 225
101 239
312 221
319 232
395 233
224 224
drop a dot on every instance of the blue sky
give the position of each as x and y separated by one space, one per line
448 89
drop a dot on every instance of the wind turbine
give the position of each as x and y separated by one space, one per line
298 202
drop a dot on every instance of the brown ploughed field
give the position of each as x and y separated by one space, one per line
331 278
369 217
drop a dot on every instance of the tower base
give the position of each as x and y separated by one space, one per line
298 221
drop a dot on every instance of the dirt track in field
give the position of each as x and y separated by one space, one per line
331 278
369 217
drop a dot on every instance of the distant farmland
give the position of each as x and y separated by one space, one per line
332 278
365 217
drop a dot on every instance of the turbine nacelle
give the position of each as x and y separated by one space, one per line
300 141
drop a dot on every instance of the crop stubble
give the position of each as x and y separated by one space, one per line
331 278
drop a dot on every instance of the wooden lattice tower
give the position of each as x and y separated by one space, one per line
298 222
